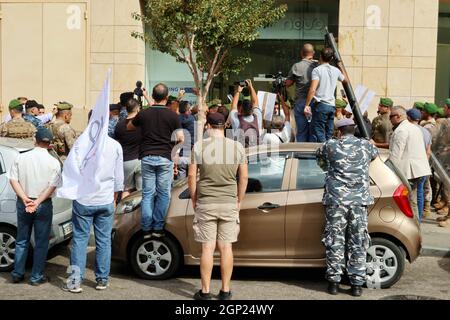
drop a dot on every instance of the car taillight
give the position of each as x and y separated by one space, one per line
402 200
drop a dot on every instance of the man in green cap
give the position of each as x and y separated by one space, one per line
442 152
64 135
419 105
340 106
17 127
214 105
381 125
429 123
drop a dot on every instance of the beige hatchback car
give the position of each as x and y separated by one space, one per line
281 220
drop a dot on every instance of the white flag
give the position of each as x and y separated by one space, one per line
79 171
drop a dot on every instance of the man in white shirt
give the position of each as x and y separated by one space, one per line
34 177
323 85
97 209
281 130
407 152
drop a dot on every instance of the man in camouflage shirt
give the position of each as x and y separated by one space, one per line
32 111
64 135
441 150
381 126
17 127
346 161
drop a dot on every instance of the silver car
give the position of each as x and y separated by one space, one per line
62 208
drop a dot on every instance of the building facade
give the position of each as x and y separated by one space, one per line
53 50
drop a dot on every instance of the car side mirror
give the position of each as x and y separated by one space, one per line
185 195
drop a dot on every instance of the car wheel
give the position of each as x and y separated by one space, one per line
155 259
7 248
385 263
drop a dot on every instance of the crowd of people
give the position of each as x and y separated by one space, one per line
149 146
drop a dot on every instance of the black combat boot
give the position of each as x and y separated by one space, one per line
357 291
333 287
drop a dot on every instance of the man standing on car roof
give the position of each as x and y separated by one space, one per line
346 198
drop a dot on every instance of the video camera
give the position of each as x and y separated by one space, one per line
138 92
278 85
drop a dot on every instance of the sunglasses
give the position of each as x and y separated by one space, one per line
393 115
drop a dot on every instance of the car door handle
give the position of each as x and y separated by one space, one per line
267 206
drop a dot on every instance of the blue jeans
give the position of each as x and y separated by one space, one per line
322 124
157 176
421 196
41 222
82 219
303 126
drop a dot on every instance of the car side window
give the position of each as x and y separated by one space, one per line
265 173
309 175
2 165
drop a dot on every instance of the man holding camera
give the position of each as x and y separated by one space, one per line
300 74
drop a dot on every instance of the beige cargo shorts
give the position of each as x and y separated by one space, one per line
216 222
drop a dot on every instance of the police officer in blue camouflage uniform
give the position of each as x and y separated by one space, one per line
32 109
346 161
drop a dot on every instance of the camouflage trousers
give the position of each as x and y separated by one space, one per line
346 241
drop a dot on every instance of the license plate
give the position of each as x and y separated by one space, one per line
67 229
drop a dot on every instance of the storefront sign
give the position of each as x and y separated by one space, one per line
308 26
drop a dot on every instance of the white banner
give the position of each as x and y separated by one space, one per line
364 96
79 172
267 102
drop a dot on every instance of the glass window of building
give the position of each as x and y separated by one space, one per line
277 49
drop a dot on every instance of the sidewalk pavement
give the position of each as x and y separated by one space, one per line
435 239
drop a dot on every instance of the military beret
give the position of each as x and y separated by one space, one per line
441 112
215 102
430 108
419 105
344 122
13 104
171 98
341 104
113 107
386 102
63 106
447 102
31 104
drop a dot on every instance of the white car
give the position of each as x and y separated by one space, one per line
62 208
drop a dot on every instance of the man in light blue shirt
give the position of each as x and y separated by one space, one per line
323 86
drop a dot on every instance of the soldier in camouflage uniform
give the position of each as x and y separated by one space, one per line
17 127
346 161
340 105
381 125
32 110
441 150
429 123
64 135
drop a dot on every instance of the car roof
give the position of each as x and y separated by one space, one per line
20 145
293 147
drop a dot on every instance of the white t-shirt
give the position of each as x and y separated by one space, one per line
36 171
110 175
328 77
276 138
